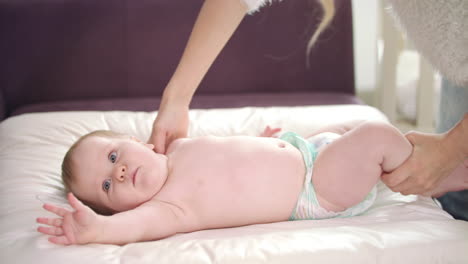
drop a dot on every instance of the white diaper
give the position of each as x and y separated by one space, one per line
307 206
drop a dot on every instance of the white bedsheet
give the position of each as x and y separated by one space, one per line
397 229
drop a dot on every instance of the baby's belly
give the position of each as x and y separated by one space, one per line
241 188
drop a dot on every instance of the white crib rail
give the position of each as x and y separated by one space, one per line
386 94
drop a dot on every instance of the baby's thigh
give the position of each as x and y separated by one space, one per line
345 171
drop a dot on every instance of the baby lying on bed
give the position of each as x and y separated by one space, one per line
216 182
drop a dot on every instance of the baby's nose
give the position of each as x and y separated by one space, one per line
120 173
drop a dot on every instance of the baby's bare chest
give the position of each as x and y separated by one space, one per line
243 161
236 175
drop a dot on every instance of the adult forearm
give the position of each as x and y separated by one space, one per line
216 22
456 140
464 136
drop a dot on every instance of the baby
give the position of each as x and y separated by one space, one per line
216 182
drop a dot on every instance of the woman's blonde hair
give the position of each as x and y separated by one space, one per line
328 7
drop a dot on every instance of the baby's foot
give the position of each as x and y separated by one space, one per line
456 181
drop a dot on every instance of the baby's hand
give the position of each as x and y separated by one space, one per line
78 227
270 132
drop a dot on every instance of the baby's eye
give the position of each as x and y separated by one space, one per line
113 156
106 185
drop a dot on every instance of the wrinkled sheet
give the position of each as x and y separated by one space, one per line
396 229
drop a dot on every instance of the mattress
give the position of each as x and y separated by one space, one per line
396 229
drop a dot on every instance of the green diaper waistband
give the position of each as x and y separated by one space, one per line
307 149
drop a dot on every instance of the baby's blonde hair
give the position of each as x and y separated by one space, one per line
328 7
68 167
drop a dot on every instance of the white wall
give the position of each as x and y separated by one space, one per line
365 19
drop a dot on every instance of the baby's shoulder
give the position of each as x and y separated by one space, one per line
176 144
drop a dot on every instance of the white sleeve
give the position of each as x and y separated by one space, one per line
254 5
439 31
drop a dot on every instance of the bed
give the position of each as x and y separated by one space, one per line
70 67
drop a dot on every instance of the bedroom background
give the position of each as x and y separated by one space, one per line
76 55
389 73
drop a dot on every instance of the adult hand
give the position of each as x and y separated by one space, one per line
432 160
171 123
209 35
78 227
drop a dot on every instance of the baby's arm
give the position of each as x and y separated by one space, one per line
150 221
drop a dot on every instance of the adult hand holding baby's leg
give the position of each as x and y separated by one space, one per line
78 227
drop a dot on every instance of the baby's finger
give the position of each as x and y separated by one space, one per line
50 221
276 130
60 240
56 210
51 231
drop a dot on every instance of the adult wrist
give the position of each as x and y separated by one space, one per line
456 139
176 95
464 133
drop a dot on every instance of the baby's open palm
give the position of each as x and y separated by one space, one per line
72 227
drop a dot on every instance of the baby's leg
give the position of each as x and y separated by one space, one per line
347 169
338 128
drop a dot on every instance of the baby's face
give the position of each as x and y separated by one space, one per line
117 173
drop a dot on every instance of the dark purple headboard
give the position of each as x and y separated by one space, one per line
108 54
